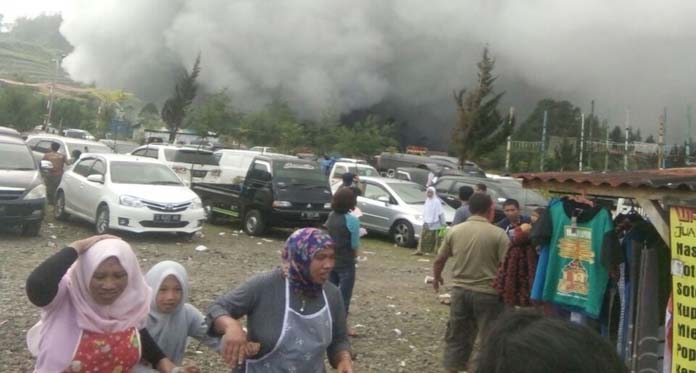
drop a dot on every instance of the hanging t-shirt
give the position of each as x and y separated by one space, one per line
575 275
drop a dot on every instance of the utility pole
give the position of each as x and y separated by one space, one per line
589 135
507 154
628 121
661 142
688 135
664 133
543 141
606 153
582 139
47 121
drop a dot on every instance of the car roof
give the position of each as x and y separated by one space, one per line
351 163
11 139
473 179
7 131
281 157
385 180
65 139
121 158
174 147
237 151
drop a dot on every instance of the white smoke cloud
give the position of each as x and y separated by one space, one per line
409 55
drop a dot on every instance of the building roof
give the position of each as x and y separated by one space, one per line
671 178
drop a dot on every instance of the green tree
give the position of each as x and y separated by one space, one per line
21 108
43 30
72 113
617 135
276 125
214 113
480 128
366 138
175 108
650 140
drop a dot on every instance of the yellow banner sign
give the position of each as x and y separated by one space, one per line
683 243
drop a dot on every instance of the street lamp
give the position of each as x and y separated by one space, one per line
57 61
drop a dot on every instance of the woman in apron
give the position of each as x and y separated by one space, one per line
294 312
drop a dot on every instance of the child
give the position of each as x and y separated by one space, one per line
171 320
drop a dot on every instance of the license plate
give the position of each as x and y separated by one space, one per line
167 218
310 215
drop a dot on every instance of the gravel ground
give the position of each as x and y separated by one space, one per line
399 320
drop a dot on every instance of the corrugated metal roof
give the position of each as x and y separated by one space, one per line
671 178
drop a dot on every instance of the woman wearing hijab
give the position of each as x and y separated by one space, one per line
433 221
172 320
294 312
94 303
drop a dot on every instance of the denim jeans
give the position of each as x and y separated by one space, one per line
344 278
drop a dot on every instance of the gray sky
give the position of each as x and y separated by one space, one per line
407 55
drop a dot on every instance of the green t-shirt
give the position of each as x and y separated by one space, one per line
575 276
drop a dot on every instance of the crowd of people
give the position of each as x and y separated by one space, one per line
101 314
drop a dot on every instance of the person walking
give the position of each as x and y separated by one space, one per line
55 174
477 248
463 212
433 221
344 229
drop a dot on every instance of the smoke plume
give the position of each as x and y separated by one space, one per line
403 57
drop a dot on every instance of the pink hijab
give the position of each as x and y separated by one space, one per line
56 336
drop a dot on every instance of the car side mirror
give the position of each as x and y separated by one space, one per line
46 165
96 178
384 199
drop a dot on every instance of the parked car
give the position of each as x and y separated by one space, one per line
78 134
278 191
447 188
354 166
7 131
234 164
41 144
192 165
395 207
22 192
120 147
135 194
263 149
468 167
387 163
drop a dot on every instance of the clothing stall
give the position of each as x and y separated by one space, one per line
630 276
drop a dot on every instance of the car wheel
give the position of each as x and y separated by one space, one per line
403 234
212 216
254 225
59 207
31 229
102 221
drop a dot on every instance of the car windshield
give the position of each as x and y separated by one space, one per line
523 196
89 148
16 157
192 156
122 147
299 173
364 171
142 173
412 194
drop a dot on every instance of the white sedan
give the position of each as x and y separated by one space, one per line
123 192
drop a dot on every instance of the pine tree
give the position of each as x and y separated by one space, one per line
480 128
175 108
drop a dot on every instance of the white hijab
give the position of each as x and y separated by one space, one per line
169 330
433 208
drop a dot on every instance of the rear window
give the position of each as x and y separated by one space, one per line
89 148
16 157
191 156
298 172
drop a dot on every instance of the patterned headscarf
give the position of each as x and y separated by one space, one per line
299 250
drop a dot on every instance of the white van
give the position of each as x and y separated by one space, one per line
234 164
356 167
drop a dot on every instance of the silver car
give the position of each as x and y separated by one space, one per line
394 207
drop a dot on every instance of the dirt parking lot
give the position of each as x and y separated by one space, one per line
399 320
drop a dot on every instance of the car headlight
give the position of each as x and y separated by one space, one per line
277 204
327 206
130 201
196 203
38 192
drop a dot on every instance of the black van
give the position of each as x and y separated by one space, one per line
22 192
278 191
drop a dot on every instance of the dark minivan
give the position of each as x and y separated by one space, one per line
22 192
278 191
